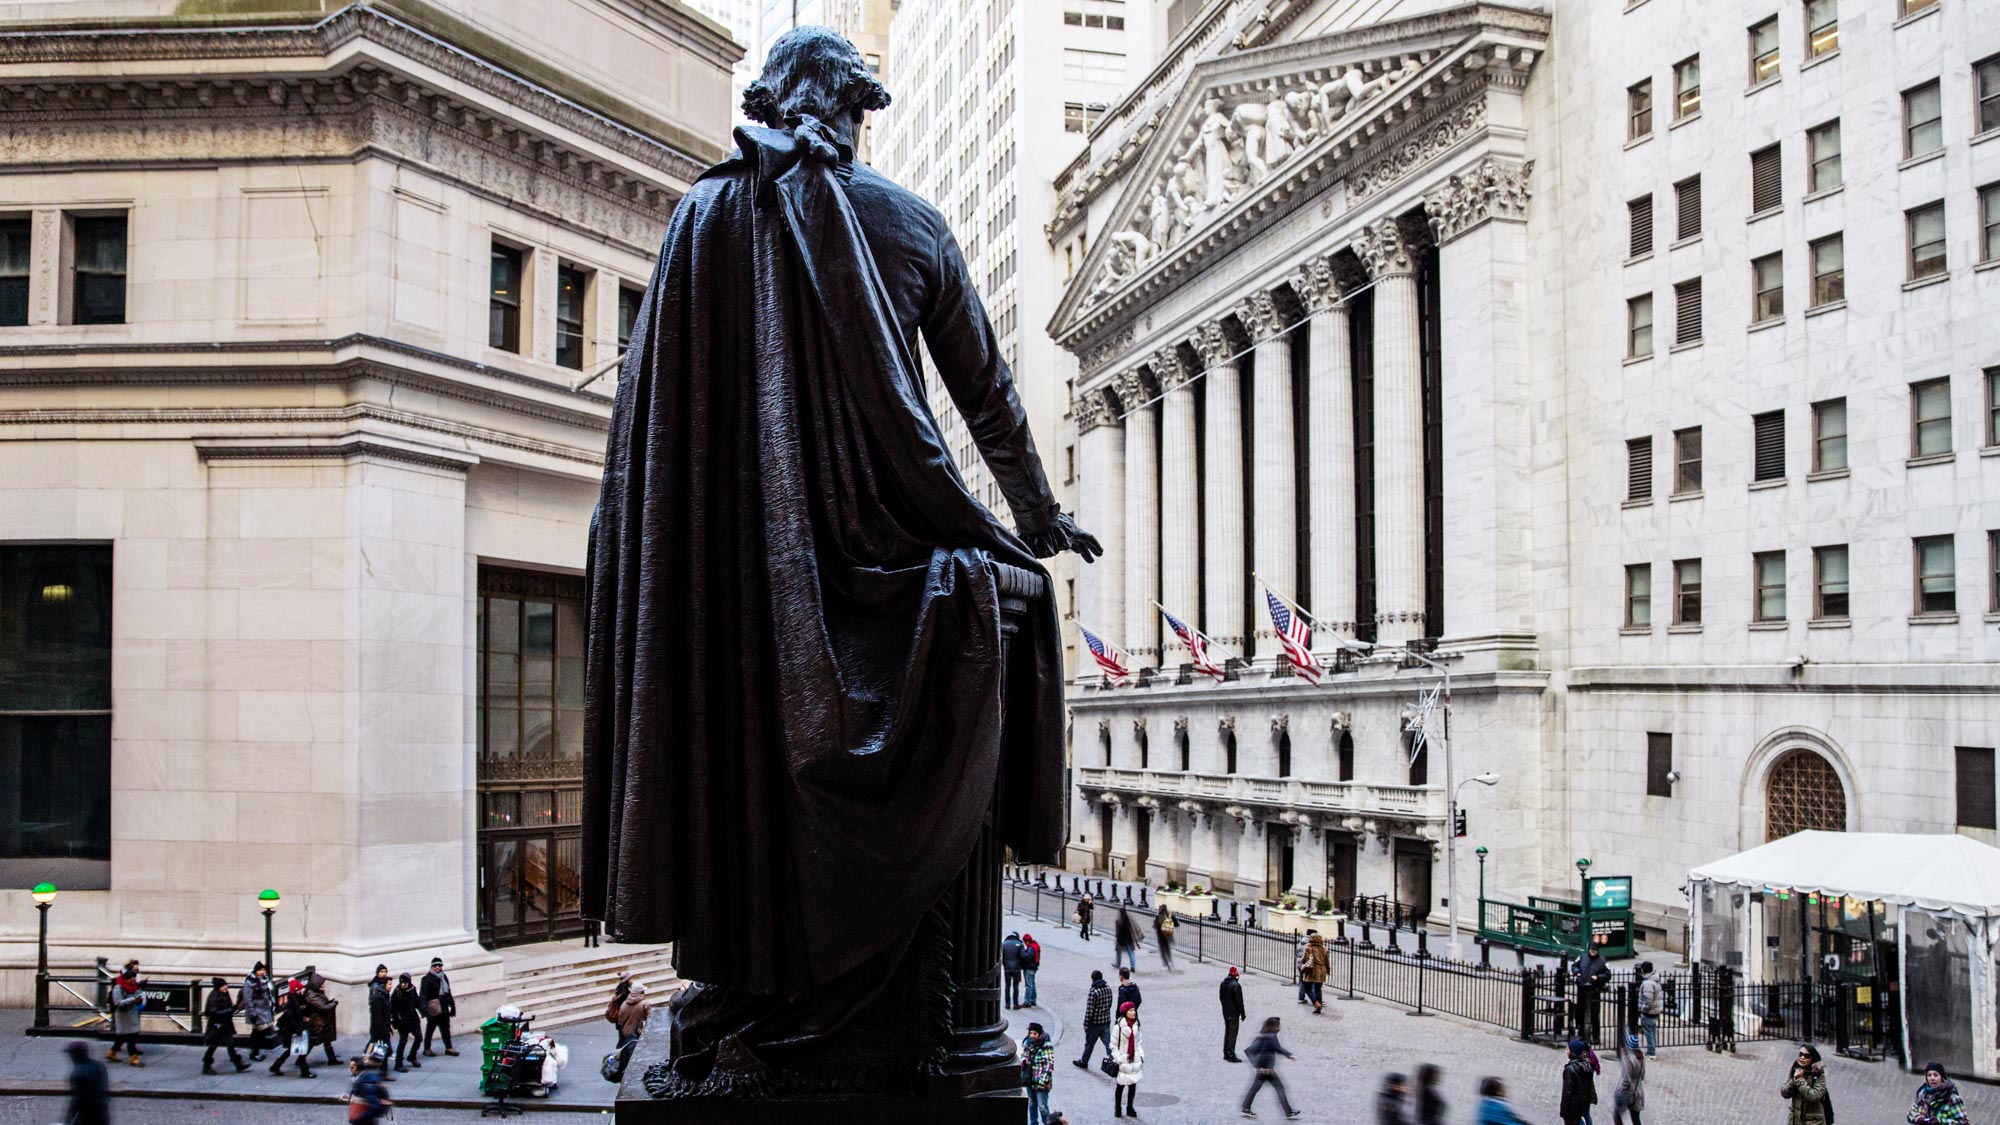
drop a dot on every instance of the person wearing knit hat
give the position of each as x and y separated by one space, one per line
438 1006
1233 1013
1938 1101
218 1017
408 1024
1579 1085
380 1028
1096 1019
260 1009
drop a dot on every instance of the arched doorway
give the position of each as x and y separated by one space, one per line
1804 792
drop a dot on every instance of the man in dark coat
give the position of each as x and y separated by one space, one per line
795 680
259 1006
321 1019
218 1031
89 1088
1128 992
1096 1019
381 1029
434 997
1593 973
1579 1085
1012 960
1233 1013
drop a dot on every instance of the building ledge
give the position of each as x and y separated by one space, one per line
1931 459
1215 792
1922 158
1934 618
1827 474
1823 193
1830 306
1778 626
1819 60
1937 278
1767 485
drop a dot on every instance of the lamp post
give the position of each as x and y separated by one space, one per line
268 900
1583 905
1480 851
1451 854
44 895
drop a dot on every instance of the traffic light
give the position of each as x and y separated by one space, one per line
1458 824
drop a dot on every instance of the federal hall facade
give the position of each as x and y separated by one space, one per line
306 323
1523 340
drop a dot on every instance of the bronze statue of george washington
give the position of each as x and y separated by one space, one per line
796 718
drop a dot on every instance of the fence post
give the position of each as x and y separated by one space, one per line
1694 994
1572 1008
1628 1012
1200 933
1812 1029
1353 952
1393 931
1843 1009
1423 957
1367 941
1529 979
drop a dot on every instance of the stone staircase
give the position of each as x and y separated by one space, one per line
567 984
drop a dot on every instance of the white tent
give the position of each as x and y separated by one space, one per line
1939 896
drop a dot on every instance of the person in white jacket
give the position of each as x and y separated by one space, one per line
1130 1055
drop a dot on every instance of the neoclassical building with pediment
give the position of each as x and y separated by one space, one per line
1365 318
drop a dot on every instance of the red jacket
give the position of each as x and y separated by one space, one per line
1034 950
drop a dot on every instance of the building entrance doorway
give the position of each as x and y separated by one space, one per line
1278 858
1105 814
1341 853
530 758
1142 822
1413 878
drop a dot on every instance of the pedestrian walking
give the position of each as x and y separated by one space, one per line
1096 1019
1938 1101
1805 1088
367 1100
406 1018
1125 941
1038 1072
1299 960
1083 910
218 1027
1630 1097
1314 964
1130 1055
1392 1101
1579 1085
1652 1002
1010 968
1233 1013
381 1029
1430 1100
89 1088
1128 992
259 1006
1264 1052
322 1018
1031 963
128 999
1163 932
1493 1107
1593 972
293 1038
439 1008
632 1014
619 992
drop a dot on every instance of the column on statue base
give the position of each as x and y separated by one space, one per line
1100 593
1330 470
1273 485
1399 435
1141 561
1180 514
1222 489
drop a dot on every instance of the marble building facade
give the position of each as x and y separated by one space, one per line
302 412
1368 316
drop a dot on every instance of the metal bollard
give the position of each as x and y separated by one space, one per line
1232 914
1142 896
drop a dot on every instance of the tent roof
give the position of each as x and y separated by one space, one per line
1941 872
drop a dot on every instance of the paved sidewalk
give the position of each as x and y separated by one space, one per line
37 1065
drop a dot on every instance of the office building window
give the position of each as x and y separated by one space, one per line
1639 223
1659 763
1930 417
1829 435
1078 117
1823 157
1974 777
1687 312
55 715
1764 51
503 306
1687 591
1829 270
1926 227
1639 110
1923 120
1936 575
1639 469
1106 14
16 236
1769 567
1687 460
1639 596
1687 208
1769 431
1767 286
97 245
629 299
1639 326
1822 27
1993 406
1989 223
1093 66
1912 7
1993 572
572 295
1830 582
1767 180
1687 87
1986 89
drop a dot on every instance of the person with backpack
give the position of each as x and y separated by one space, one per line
1805 1088
1096 1019
1031 962
1010 968
367 1100
259 1006
406 1017
1264 1052
1314 965
1038 1072
218 1027
618 994
1163 929
632 1015
1128 992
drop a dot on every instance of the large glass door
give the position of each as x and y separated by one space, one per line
530 735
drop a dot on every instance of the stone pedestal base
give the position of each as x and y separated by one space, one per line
993 1110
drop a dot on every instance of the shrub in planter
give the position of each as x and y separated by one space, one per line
1197 889
1324 905
1289 902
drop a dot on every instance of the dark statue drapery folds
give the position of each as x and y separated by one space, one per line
795 719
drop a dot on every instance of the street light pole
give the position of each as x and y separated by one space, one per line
45 896
268 899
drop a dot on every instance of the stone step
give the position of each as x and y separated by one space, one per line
569 987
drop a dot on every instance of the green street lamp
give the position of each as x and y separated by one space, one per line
1480 851
44 895
268 900
1583 905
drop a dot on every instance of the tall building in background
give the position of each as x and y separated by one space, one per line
992 100
740 17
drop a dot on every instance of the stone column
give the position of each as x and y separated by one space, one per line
1222 489
1141 564
1100 439
1180 517
1399 435
1330 472
1273 487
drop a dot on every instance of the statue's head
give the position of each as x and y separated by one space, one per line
813 71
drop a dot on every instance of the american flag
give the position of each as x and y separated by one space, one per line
1197 646
1293 634
1108 657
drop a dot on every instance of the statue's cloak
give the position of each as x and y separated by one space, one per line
795 720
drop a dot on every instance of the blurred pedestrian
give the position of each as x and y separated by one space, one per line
1031 963
1493 1107
1579 1085
1038 1072
1083 911
293 1038
218 1026
1163 931
1130 1056
1096 1019
1233 1013
439 1007
1938 1100
322 1017
1314 964
1299 960
1805 1088
1392 1101
367 1101
1264 1052
405 1018
1128 992
1125 941
1010 968
1430 1100
1652 1001
619 992
89 1088
259 1006
128 999
1630 1096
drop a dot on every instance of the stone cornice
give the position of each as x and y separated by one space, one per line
1383 250
340 447
1261 317
1492 190
1093 409
1318 285
1170 370
1210 343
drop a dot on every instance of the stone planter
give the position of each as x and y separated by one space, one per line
1278 920
1186 905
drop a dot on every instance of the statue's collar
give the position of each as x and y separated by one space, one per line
770 153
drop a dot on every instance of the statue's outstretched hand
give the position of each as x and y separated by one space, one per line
1063 535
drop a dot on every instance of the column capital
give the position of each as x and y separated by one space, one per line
1261 316
1494 189
1131 389
1170 371
1210 343
1384 250
1093 409
1318 285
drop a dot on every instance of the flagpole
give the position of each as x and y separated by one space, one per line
1289 603
1192 628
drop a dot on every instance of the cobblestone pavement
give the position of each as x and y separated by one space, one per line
42 1111
1343 1054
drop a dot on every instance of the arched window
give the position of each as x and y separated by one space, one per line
1104 743
1346 754
1181 744
1139 735
1803 792
1284 753
1420 762
1229 751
